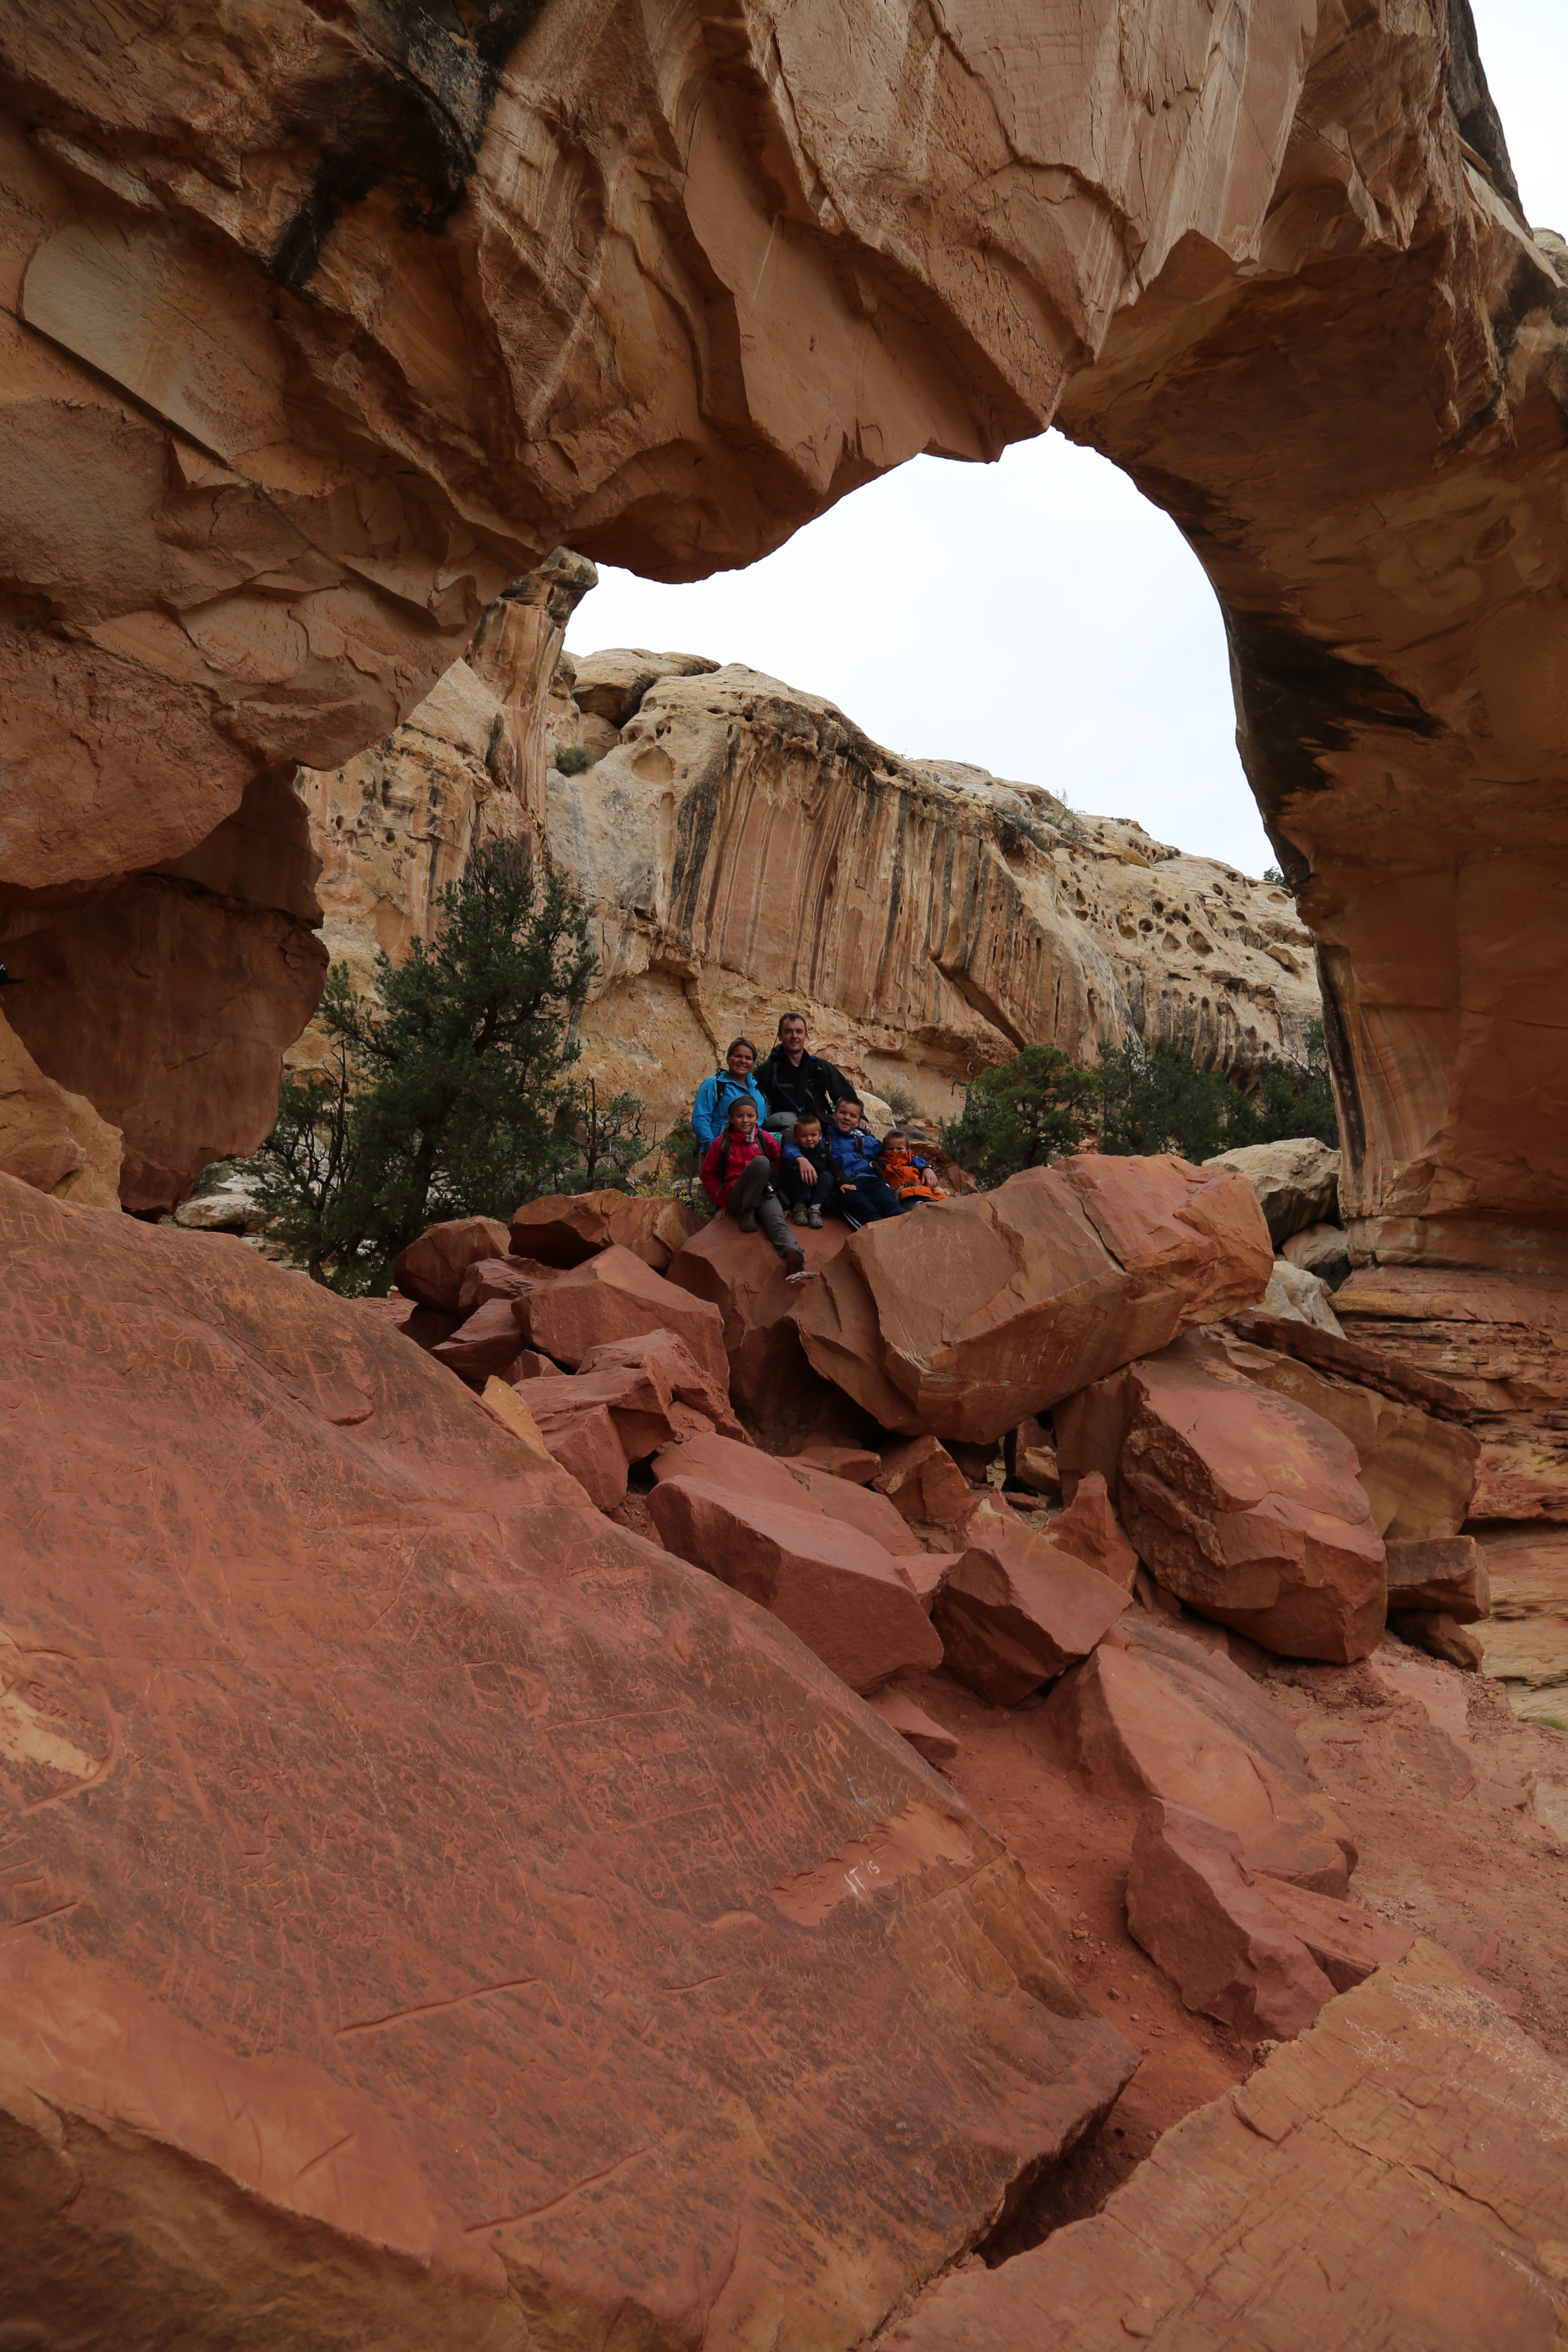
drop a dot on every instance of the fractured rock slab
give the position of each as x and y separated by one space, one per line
741 1274
1393 2177
1449 1574
565 1229
1151 1714
431 1269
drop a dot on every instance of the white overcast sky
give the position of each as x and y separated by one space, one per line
1037 616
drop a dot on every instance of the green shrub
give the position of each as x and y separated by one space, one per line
1015 1115
447 1092
573 759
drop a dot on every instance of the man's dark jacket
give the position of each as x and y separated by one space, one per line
811 1083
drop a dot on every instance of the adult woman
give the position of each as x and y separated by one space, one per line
715 1094
738 1173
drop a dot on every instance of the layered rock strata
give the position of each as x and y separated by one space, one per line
311 354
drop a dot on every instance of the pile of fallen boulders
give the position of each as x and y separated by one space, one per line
1041 1437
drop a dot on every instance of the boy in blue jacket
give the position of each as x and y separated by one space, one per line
863 1194
733 1083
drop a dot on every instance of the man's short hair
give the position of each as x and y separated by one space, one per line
849 1102
786 1018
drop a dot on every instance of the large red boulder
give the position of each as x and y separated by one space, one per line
835 1587
615 1296
773 1387
1150 1713
1394 2177
1045 1284
1241 1502
431 1269
566 1229
430 1902
1014 1612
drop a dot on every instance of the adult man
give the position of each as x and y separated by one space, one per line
794 1080
715 1094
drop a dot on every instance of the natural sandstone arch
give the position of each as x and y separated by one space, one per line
323 326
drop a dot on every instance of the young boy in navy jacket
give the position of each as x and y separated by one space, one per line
863 1194
809 1178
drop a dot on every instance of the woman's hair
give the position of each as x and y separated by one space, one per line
740 1041
740 1103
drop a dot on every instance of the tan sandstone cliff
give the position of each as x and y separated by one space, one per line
745 847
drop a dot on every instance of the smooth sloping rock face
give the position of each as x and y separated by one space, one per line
1047 1283
51 1139
744 1276
1014 1612
615 1296
432 1268
1393 2177
1419 1473
1250 1508
1151 1714
1449 1575
1296 1183
331 1706
833 1586
567 1228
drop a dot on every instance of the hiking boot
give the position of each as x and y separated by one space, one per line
813 1218
794 1264
798 1217
747 1221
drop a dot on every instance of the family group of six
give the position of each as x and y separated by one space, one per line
786 1141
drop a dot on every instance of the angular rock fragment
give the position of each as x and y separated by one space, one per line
566 1229
1295 1296
356 1686
1151 1714
1047 1283
615 1296
1089 1529
1449 1574
661 1352
925 1735
500 1277
1015 1612
1193 1906
1247 1505
528 1364
1296 1182
1393 2177
772 1386
486 1343
1441 1637
794 1482
1322 1250
584 1439
923 1483
431 1269
834 1587
856 1463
